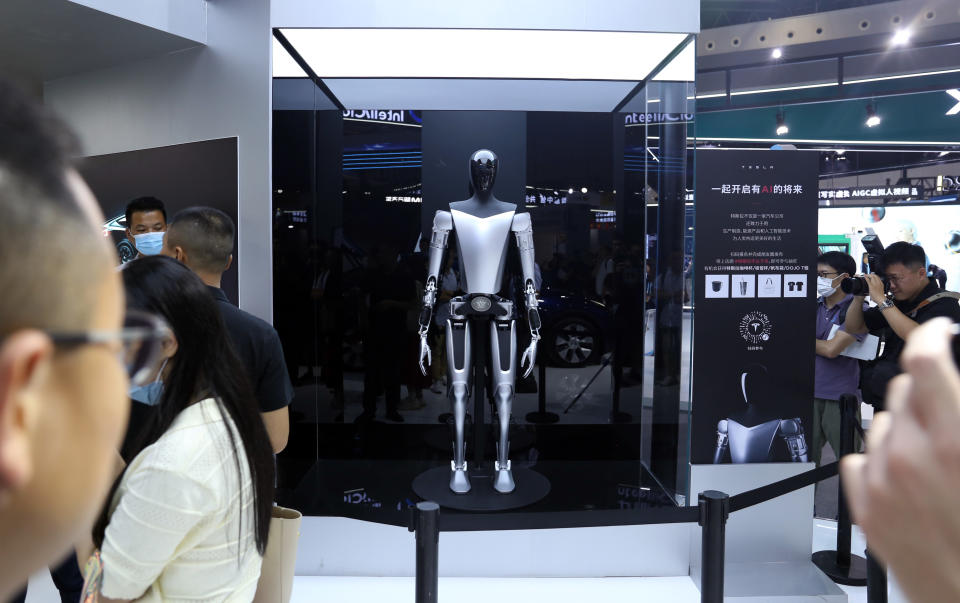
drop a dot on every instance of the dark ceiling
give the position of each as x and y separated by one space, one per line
720 13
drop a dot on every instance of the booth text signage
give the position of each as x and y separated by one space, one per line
755 246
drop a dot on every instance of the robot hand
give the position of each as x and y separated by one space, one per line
424 353
529 354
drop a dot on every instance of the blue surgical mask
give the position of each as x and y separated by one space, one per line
150 393
149 243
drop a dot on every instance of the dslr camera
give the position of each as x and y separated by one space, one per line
857 285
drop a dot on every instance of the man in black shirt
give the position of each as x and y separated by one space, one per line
915 299
202 238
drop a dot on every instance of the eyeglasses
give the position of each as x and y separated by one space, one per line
827 274
141 338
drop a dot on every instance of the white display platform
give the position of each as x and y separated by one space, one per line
767 545
506 590
335 546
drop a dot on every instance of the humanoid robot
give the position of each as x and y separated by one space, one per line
749 435
483 225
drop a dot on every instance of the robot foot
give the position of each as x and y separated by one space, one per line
459 482
503 482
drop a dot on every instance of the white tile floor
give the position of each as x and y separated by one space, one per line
508 590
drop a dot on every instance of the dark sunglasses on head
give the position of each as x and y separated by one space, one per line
142 339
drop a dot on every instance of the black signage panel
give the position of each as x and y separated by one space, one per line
755 267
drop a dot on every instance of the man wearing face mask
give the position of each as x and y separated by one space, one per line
146 225
836 375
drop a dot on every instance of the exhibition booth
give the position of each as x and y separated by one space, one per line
518 274
605 448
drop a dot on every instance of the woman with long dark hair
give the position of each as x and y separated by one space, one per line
189 516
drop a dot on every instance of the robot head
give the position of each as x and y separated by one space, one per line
483 171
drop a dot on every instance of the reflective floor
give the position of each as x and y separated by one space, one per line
520 590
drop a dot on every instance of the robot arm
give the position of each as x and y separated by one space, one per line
791 430
723 442
523 230
442 225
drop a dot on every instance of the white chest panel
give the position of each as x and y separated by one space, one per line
483 249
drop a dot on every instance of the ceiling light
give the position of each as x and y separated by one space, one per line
505 54
583 190
570 192
840 151
776 54
781 125
943 153
900 37
872 118
284 65
783 89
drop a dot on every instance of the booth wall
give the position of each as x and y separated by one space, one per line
184 18
215 91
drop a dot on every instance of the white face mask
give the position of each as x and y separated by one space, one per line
825 286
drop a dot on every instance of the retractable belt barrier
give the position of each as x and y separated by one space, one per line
711 514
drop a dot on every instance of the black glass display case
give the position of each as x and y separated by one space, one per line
602 416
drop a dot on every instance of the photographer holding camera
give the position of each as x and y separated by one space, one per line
915 300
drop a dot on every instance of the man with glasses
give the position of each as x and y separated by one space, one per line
63 387
913 299
835 374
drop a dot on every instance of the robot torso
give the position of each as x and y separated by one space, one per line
482 245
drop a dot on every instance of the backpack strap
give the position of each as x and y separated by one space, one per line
933 298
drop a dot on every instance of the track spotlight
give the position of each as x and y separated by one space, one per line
776 54
872 118
781 125
900 37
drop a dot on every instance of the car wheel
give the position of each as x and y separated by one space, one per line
574 342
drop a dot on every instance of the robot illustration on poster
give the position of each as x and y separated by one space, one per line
749 435
483 225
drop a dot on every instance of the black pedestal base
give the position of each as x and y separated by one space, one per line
434 485
854 574
543 418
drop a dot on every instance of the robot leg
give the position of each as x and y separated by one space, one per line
458 372
503 351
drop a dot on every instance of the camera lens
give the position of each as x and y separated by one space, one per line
854 286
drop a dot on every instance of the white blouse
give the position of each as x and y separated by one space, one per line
173 534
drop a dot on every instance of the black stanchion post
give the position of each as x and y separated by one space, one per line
427 527
876 580
841 566
714 510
